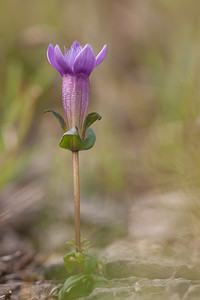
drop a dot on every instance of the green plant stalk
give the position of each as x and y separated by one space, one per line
75 159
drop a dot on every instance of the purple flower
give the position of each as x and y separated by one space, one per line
75 66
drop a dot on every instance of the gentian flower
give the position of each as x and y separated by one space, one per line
75 67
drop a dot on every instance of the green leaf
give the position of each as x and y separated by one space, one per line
99 281
76 286
71 140
89 139
70 263
90 264
59 118
90 119
81 285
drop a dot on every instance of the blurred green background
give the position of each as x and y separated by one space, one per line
147 91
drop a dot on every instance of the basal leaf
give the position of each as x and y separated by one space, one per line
76 286
90 264
73 262
99 281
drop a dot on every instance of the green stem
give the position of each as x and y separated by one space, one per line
75 159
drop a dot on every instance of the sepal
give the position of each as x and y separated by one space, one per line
59 118
71 140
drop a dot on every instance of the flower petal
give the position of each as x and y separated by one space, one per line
51 59
72 53
61 61
85 61
101 56
76 45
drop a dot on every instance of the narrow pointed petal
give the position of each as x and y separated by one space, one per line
101 56
76 46
85 61
72 53
60 60
51 59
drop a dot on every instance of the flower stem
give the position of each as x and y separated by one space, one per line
75 159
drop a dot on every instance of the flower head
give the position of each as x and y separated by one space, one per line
75 66
78 60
